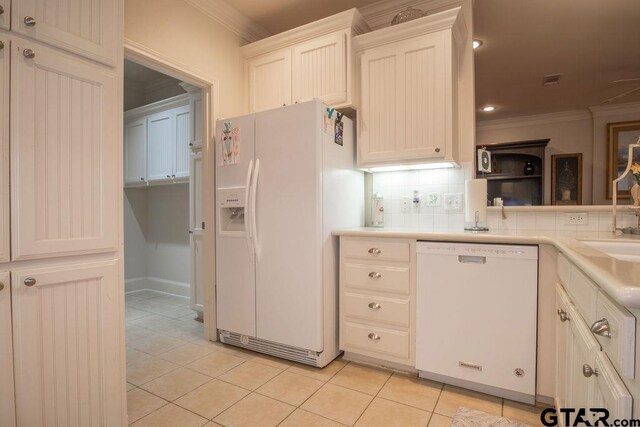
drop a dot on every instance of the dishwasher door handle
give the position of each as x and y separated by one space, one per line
468 259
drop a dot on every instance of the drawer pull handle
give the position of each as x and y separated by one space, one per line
374 306
374 337
588 371
29 53
375 251
29 21
375 275
601 327
29 281
469 259
563 315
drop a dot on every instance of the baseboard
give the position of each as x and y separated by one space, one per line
159 285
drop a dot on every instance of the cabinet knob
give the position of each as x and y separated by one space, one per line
29 281
28 53
601 327
168 176
29 21
437 150
1 286
563 315
374 337
1 9
588 371
141 179
375 251
1 45
374 306
191 144
375 275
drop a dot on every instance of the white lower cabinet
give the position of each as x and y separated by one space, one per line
7 402
377 299
585 375
68 345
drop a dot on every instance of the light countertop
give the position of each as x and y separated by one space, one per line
619 279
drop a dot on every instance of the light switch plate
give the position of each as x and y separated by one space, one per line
434 199
405 205
576 218
453 202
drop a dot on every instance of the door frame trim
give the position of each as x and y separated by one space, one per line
210 87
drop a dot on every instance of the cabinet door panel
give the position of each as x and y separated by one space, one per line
197 122
86 27
610 391
378 127
64 125
195 225
5 16
319 70
69 358
159 146
135 151
562 346
7 401
4 147
269 81
182 133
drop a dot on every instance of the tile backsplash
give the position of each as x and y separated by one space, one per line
396 187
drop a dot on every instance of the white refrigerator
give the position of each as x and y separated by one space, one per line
285 178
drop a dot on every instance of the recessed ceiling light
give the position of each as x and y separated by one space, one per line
476 44
488 108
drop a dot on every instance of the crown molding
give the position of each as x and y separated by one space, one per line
534 120
381 13
615 109
349 19
450 19
231 19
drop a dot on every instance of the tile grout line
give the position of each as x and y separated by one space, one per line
371 401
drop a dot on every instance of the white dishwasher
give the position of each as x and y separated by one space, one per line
476 317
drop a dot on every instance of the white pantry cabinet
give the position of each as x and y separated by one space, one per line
67 348
157 141
408 91
135 152
87 28
196 230
5 54
5 14
7 400
312 61
64 122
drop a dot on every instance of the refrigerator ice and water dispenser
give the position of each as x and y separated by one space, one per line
231 209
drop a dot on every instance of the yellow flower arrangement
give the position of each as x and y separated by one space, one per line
635 170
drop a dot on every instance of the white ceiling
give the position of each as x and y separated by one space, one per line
591 42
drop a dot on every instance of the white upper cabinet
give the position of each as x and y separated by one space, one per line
5 14
319 69
408 93
312 61
86 27
157 142
269 80
5 53
160 146
64 122
135 152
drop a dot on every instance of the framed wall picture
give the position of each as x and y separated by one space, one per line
566 179
620 135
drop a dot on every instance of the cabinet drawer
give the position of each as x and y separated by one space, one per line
621 343
377 309
376 250
376 277
583 293
376 340
564 270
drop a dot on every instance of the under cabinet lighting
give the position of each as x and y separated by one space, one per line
438 165
488 108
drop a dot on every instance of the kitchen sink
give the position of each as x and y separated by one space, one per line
623 251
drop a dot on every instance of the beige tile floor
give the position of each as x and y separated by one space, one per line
176 378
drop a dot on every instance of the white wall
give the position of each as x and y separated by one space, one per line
135 229
187 36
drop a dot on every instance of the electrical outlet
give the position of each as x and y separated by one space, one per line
453 202
405 205
576 219
434 199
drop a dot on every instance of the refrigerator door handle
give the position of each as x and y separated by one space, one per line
254 228
247 215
